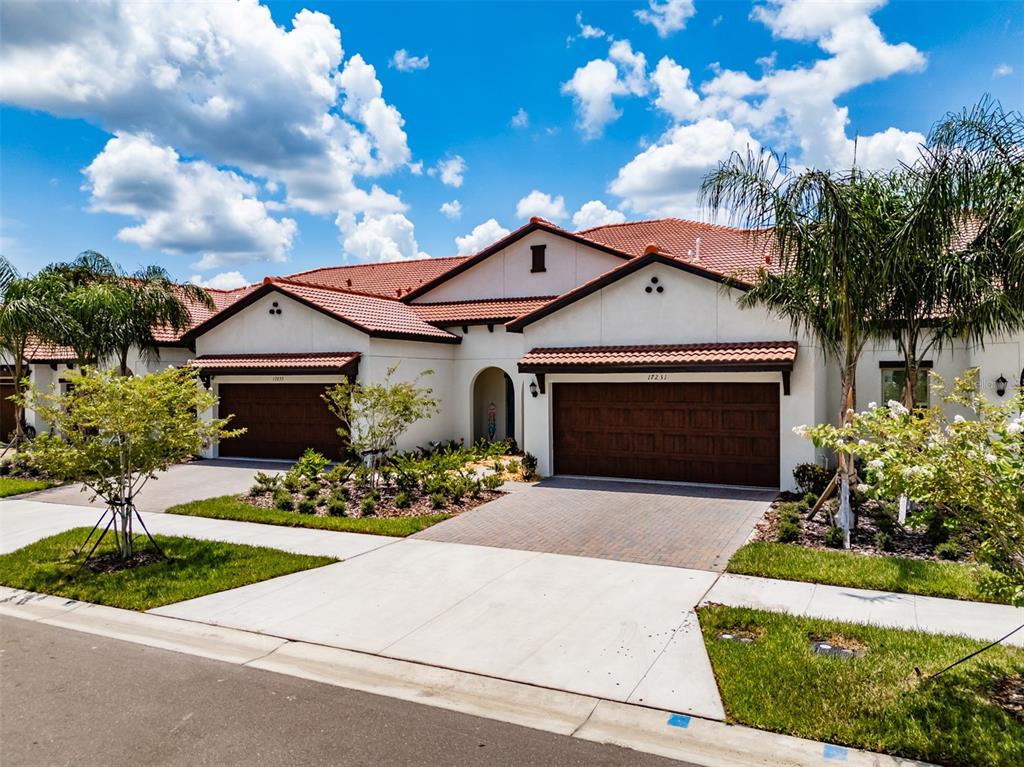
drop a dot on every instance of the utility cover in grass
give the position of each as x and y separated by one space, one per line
193 568
875 700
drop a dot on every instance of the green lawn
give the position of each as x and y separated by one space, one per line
193 568
875 701
230 507
13 486
791 562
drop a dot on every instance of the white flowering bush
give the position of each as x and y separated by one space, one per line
969 468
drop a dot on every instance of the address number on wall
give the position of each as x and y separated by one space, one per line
277 378
657 376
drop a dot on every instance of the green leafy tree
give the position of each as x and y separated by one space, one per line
374 416
971 469
27 313
820 231
113 434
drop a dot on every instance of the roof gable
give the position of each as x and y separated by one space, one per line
612 276
375 316
535 225
387 279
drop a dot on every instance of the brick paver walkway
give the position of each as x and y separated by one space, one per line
675 525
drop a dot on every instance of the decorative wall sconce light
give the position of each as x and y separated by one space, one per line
534 391
1001 385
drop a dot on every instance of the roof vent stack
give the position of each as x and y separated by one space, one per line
696 250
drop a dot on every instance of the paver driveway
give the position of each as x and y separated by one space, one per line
658 524
181 483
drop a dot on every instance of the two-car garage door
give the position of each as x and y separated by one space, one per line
720 433
281 420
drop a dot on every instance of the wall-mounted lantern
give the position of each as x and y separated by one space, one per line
1001 385
534 391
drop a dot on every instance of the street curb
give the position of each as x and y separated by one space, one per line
663 733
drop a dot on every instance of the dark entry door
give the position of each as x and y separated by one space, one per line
719 433
281 421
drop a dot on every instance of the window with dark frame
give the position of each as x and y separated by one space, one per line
537 251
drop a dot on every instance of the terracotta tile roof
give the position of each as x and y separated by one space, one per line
199 313
377 316
724 250
312 361
756 353
45 351
389 279
484 310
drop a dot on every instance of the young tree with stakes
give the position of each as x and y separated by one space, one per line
114 433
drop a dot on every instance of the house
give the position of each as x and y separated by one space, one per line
618 351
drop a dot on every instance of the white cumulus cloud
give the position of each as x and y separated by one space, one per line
596 213
403 62
450 170
667 17
482 235
1003 70
390 237
595 85
185 208
222 281
521 119
676 95
452 209
538 203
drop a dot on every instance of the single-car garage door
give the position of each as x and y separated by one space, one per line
720 433
281 420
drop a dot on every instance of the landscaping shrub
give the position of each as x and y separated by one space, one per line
293 481
884 541
368 506
834 538
311 464
950 550
787 532
403 499
493 481
812 478
437 500
340 491
529 462
311 490
337 507
283 500
265 483
339 474
307 506
361 477
809 500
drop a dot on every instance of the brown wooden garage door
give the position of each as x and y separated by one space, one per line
281 421
720 433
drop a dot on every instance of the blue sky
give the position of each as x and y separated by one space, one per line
226 144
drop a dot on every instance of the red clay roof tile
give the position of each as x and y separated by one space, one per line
483 310
781 353
314 360
389 279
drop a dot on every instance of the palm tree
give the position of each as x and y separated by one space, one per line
27 314
148 300
955 263
107 312
823 229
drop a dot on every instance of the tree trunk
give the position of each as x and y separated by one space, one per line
846 470
19 408
123 359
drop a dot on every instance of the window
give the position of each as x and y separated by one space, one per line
538 258
893 380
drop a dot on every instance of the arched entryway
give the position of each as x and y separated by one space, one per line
494 406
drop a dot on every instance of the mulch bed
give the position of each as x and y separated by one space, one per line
420 506
908 543
111 562
1009 696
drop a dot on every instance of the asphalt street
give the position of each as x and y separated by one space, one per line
68 698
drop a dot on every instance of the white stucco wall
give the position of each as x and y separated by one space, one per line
691 309
507 274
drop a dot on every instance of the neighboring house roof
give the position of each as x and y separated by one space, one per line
753 355
390 279
487 310
613 275
314 362
724 250
378 317
44 351
535 224
199 313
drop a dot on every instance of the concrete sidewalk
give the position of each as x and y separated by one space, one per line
24 521
978 620
649 730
